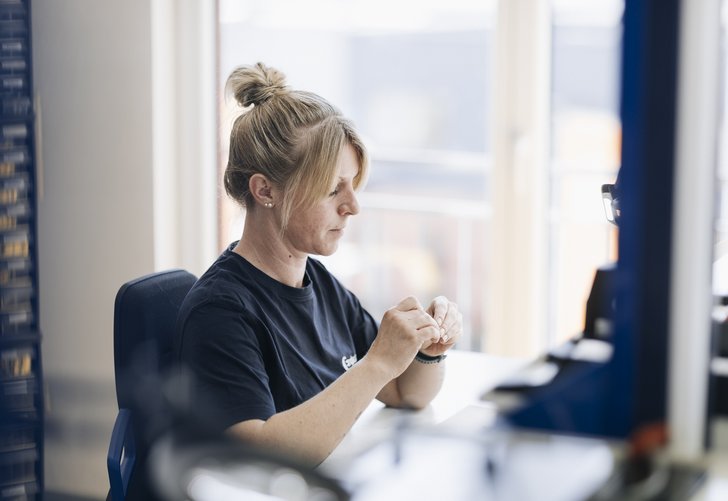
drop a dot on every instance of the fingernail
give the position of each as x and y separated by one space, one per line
445 337
439 320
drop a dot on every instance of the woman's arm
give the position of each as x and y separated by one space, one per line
311 430
415 387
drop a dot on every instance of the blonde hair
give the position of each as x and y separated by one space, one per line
293 138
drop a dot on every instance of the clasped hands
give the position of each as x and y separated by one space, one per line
409 327
449 322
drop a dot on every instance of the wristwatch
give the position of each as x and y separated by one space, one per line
429 359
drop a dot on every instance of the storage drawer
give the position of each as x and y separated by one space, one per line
14 154
13 9
18 395
16 362
13 270
26 491
18 474
14 245
17 321
12 28
14 189
17 106
17 437
13 48
16 295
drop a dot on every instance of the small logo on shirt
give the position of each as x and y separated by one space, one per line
348 362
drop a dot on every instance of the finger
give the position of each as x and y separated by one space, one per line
452 330
409 303
438 309
451 337
453 319
423 324
419 319
429 334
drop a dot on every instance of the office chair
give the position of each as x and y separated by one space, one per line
145 313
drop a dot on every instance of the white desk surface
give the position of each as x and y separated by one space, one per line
447 447
468 376
458 406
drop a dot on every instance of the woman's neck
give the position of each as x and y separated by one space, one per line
264 248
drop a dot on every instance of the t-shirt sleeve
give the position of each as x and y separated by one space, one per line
221 349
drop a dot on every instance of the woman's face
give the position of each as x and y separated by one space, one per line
318 229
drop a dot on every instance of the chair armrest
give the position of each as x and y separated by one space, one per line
122 455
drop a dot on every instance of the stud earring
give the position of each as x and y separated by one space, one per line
268 204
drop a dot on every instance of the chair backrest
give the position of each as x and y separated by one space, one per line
145 314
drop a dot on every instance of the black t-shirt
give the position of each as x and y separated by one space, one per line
258 347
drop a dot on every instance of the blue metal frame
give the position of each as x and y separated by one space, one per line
628 394
638 390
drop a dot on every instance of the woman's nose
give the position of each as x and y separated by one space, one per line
350 206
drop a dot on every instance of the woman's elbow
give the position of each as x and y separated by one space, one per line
416 400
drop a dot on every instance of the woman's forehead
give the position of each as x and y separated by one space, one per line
347 166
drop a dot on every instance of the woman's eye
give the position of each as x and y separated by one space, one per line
334 193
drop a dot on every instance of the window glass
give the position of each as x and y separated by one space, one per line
415 78
585 146
720 271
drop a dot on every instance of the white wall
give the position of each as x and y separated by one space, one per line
93 74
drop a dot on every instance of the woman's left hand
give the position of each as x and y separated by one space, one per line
450 320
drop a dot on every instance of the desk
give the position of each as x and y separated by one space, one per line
457 449
716 486
446 458
468 376
446 451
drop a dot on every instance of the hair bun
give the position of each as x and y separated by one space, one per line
256 84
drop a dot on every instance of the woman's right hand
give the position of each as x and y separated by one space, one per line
403 331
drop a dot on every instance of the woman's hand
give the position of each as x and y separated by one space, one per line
450 323
404 330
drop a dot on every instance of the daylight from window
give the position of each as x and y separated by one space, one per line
418 80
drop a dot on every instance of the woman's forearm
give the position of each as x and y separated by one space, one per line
420 383
415 387
311 431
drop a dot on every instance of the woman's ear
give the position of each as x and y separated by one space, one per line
263 190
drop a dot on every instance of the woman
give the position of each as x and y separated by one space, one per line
288 354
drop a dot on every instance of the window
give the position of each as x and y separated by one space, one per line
415 78
424 81
720 270
585 152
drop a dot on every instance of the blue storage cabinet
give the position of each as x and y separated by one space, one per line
21 386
